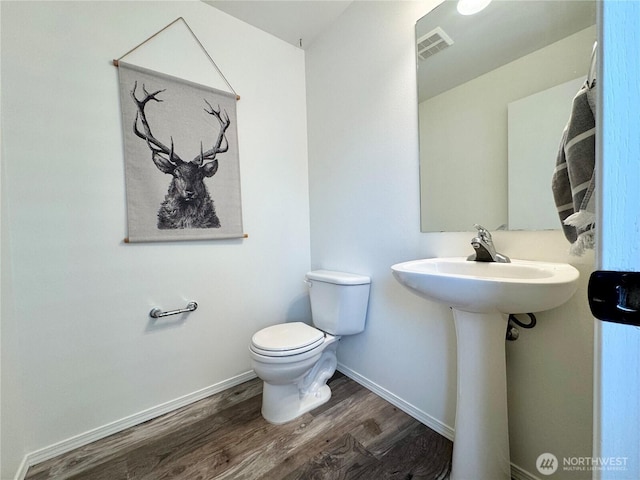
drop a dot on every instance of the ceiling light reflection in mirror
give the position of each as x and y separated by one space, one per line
471 7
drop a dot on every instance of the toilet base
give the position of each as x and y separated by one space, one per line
282 403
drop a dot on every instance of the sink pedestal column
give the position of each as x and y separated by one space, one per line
481 442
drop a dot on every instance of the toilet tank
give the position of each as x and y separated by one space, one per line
338 301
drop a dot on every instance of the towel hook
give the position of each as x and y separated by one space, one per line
591 77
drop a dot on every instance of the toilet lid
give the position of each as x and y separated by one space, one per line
287 337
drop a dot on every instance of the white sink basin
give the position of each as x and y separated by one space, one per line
518 287
481 295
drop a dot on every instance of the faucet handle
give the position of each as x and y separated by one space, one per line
482 232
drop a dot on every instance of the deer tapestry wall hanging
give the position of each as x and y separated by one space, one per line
181 158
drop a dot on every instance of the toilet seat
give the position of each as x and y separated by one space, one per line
286 339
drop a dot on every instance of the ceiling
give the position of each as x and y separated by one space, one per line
504 31
297 22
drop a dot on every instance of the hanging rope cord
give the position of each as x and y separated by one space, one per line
117 61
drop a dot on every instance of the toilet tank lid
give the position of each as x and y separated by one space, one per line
338 278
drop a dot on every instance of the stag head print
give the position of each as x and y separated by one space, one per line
187 203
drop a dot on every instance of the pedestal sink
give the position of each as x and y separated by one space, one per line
482 295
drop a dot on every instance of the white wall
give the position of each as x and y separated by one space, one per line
82 351
365 216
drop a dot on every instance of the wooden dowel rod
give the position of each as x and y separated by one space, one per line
117 64
246 235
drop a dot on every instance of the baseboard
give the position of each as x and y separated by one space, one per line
517 473
99 433
22 469
431 422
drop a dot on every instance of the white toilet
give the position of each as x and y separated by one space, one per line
294 359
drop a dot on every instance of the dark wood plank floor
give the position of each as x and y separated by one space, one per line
356 435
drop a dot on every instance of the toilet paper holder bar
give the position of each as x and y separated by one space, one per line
158 313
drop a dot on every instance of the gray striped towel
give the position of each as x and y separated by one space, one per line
573 181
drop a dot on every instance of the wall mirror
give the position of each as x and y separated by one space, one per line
494 95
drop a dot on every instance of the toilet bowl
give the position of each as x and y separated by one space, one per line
295 360
294 380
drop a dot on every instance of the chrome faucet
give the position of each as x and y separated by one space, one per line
485 250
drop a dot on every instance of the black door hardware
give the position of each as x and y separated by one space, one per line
615 296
